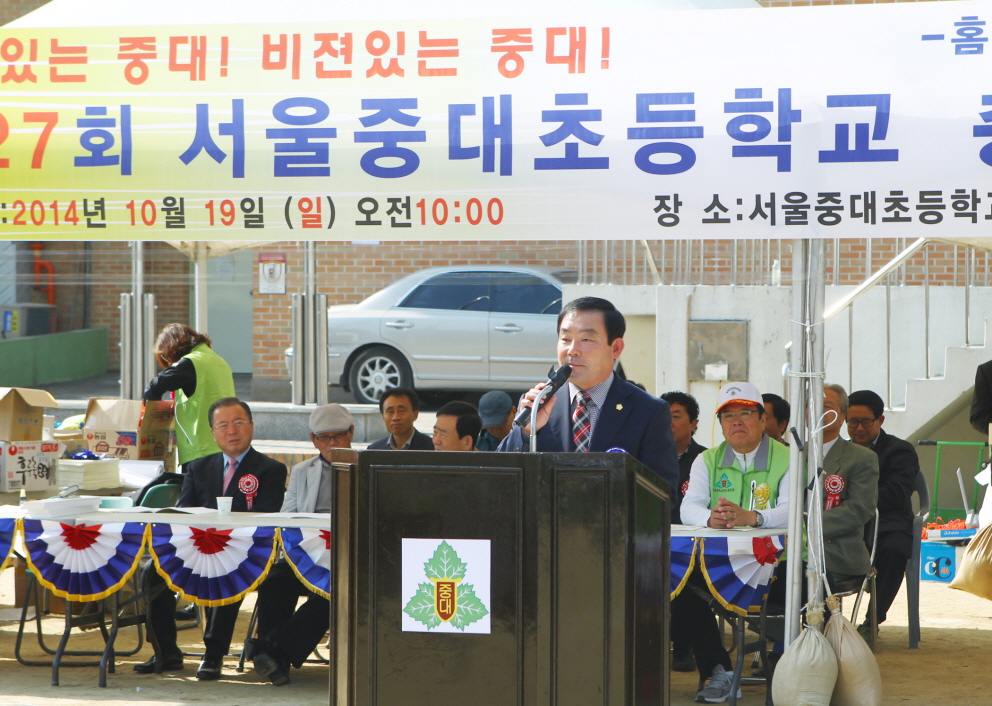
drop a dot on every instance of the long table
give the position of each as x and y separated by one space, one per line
738 566
210 558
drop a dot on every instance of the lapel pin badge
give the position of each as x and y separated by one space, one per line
619 407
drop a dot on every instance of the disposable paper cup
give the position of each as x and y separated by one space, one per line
224 505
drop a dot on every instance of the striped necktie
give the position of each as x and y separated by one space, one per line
581 423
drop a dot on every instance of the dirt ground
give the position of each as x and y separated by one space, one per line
947 668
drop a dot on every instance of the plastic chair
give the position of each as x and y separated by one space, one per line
913 565
165 495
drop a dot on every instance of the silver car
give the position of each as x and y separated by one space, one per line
460 328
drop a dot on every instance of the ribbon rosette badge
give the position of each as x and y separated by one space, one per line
444 599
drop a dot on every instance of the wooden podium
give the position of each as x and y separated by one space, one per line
499 579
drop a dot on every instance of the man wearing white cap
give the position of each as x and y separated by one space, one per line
287 638
741 482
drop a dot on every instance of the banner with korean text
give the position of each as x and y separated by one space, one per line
853 121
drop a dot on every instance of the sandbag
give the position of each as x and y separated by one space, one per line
807 672
859 683
974 573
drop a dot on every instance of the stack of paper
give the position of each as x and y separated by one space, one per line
90 475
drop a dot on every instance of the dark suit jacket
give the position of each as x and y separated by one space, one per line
898 466
844 525
685 467
205 477
981 399
631 420
418 442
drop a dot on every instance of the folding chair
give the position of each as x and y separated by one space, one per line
857 586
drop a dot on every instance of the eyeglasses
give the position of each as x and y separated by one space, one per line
224 426
329 437
866 423
743 415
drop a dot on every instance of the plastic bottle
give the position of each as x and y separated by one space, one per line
24 498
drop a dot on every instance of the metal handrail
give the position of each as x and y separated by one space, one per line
883 271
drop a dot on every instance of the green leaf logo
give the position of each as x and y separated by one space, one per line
445 599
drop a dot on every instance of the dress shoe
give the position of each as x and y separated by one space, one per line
210 668
186 614
171 663
684 662
268 667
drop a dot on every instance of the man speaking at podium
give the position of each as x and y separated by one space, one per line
596 410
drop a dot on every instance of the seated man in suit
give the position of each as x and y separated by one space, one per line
206 478
400 407
742 482
850 492
898 466
456 427
287 638
596 410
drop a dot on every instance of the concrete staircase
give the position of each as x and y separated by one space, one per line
937 404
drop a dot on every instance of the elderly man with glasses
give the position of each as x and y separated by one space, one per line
743 481
898 466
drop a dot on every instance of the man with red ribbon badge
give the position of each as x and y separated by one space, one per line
256 483
286 637
850 491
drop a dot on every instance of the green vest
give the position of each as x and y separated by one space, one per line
214 381
771 463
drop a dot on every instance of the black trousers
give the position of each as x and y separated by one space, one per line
694 623
891 555
221 621
295 634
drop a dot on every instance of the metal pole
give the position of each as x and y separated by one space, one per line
299 395
320 344
850 347
888 340
310 351
137 337
200 287
733 262
126 346
969 266
797 398
926 305
149 366
815 300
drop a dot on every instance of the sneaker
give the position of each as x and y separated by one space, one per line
718 689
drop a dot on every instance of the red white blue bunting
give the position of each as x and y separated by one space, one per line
308 551
83 562
209 566
739 570
683 551
8 526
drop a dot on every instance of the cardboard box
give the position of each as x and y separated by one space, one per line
32 465
22 413
131 430
950 535
939 561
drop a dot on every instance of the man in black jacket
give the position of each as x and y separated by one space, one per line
898 466
400 408
255 483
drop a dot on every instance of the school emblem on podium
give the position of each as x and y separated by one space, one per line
448 584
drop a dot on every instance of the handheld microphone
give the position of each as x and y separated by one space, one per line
555 381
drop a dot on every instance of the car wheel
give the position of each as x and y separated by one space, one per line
375 371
